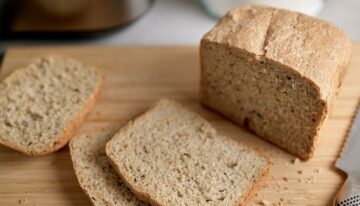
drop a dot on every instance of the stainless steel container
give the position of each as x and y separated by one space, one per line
55 17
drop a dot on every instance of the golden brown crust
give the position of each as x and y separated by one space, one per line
314 48
311 48
257 185
69 131
244 28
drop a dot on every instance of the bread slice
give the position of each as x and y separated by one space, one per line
94 173
275 72
171 156
43 104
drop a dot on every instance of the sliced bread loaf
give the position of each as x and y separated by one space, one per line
43 104
94 173
171 156
274 71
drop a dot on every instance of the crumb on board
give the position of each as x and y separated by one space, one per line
23 201
295 160
317 170
285 179
264 202
300 172
310 180
277 204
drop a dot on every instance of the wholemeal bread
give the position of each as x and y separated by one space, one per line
94 173
171 156
43 104
274 71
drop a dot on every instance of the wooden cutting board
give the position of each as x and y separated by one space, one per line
136 78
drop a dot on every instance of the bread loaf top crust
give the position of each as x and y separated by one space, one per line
314 48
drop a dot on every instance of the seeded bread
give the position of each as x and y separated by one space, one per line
274 71
171 156
94 173
43 104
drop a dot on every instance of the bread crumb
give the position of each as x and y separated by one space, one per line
310 180
300 172
277 204
285 179
264 203
295 160
285 188
317 171
281 199
23 201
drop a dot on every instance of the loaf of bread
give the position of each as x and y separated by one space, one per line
171 156
43 104
94 173
275 72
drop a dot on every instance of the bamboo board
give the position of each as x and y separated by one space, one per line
136 78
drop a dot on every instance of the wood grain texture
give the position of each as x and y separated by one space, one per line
136 78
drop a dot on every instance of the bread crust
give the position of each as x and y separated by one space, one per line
71 128
282 39
327 66
141 195
258 184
